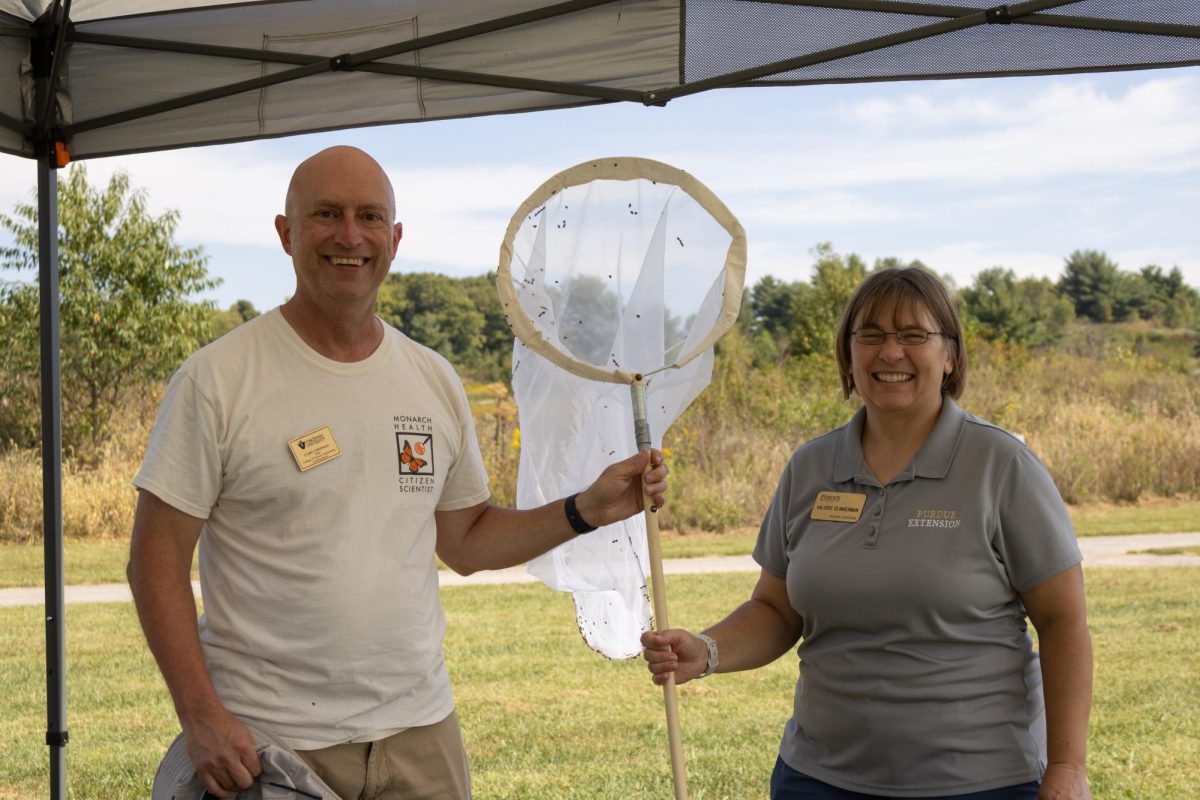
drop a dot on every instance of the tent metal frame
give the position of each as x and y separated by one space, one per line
53 33
951 18
47 51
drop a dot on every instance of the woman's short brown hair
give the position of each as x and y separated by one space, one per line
909 289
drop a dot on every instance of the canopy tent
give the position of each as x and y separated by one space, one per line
103 77
137 75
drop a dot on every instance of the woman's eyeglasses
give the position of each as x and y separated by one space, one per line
909 337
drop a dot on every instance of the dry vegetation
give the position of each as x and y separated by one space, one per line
1115 417
98 496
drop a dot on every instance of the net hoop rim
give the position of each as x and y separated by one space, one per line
623 168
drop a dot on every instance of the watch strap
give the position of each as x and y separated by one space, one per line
713 654
578 523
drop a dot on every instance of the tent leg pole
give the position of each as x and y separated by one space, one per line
52 529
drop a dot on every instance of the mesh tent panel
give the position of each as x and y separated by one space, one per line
729 35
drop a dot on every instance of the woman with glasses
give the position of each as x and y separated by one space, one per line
904 552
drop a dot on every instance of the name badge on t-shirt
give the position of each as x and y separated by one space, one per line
314 448
839 506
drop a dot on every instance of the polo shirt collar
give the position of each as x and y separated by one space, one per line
935 456
849 460
932 460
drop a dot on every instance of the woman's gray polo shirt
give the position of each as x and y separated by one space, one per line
917 673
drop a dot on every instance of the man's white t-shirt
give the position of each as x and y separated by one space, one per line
318 481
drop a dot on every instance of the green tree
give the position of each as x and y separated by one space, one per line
1029 311
125 311
495 356
819 310
1133 298
1170 301
1090 280
801 318
19 368
222 322
436 311
773 306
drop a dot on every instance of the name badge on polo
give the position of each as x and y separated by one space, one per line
838 506
314 448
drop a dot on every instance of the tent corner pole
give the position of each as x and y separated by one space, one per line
46 51
52 528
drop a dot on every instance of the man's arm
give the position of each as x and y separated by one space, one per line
159 572
489 537
1057 609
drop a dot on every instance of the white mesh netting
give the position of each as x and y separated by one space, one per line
614 268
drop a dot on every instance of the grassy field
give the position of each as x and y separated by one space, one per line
1150 515
103 560
84 561
545 718
1171 551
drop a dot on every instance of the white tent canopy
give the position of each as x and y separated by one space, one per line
137 75
139 81
102 77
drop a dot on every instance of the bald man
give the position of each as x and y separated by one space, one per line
320 458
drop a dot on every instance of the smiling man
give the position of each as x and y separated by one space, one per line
340 233
320 458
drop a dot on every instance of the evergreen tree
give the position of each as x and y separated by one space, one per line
1091 282
1029 311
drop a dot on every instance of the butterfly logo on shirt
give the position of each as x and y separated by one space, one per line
414 453
410 459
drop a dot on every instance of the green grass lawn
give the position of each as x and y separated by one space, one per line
84 561
1170 551
546 719
1151 516
103 560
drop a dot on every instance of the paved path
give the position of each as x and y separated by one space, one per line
1098 551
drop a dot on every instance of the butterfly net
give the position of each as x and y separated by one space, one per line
612 269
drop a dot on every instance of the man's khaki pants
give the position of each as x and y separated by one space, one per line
424 763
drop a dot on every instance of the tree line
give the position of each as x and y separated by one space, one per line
797 318
129 318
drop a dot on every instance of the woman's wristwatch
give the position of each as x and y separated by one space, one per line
713 654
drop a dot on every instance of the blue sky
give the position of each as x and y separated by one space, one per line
964 175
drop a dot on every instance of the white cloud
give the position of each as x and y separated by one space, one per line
456 217
960 260
18 182
221 192
1066 129
963 260
831 208
230 195
964 175
1186 258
